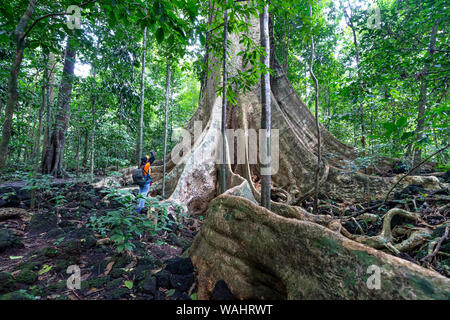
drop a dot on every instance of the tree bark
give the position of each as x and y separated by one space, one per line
94 124
166 114
316 108
49 109
141 111
54 155
13 94
265 114
223 178
423 95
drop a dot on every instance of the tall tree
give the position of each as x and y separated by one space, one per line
223 177
54 154
266 112
350 23
12 96
141 111
166 117
316 109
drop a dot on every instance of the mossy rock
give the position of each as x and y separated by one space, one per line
57 286
38 291
117 294
17 295
9 240
26 276
50 252
122 260
30 265
117 273
94 283
114 284
42 222
6 282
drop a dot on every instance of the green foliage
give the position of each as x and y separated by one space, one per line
124 225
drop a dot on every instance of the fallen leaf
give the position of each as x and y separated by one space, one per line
109 267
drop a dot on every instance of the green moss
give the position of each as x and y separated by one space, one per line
327 244
26 276
365 258
6 282
114 283
17 295
50 252
58 286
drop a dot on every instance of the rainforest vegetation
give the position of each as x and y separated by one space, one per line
356 89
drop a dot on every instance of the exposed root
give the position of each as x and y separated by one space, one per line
416 236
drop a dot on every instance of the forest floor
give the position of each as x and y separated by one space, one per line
37 247
432 247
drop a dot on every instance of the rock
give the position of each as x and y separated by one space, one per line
143 268
9 240
163 279
16 295
50 252
42 222
446 176
400 167
148 285
117 294
26 276
221 292
410 190
179 296
160 295
182 282
179 265
54 233
6 282
114 283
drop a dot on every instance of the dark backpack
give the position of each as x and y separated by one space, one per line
139 178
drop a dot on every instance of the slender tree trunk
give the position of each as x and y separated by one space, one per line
266 112
54 156
223 178
49 109
423 97
13 94
316 104
141 112
361 108
86 147
166 115
37 149
94 123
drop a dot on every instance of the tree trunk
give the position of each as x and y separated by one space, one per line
166 114
141 111
94 123
13 94
316 108
54 155
423 96
361 109
265 115
49 109
223 178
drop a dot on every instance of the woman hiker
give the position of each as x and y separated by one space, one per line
143 190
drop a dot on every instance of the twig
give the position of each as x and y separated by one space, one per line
414 168
428 257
